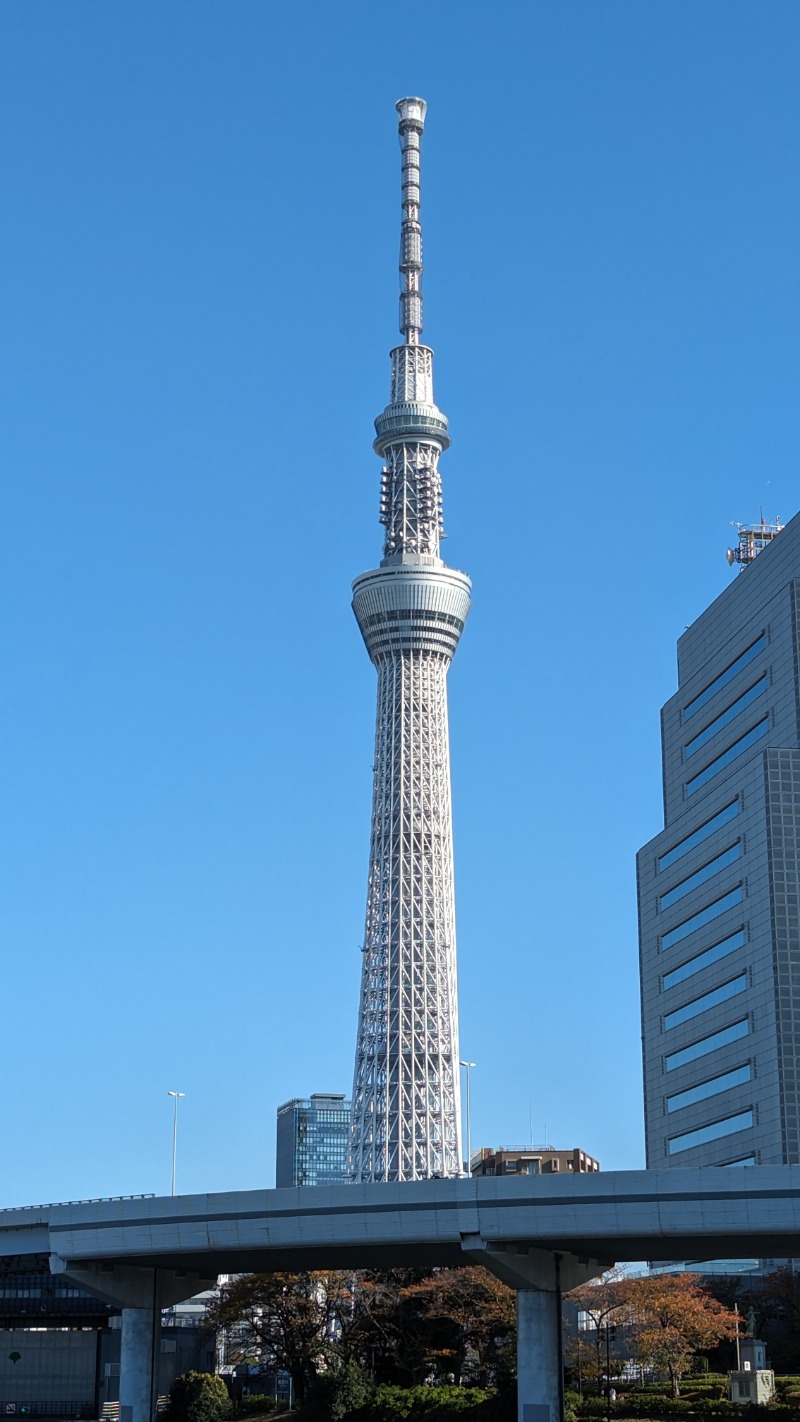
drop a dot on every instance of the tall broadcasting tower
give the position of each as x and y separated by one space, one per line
411 612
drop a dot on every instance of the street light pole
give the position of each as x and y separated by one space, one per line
469 1066
177 1095
608 1371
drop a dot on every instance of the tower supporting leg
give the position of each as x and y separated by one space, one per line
141 1329
539 1367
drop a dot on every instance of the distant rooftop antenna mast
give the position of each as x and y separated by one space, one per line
753 537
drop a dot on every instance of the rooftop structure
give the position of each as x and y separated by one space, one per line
753 537
411 611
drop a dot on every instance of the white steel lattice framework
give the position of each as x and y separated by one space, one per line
411 612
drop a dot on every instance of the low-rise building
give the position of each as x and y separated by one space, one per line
531 1160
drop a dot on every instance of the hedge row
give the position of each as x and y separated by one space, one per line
433 1404
669 1407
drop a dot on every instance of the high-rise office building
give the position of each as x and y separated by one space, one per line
719 887
411 611
313 1143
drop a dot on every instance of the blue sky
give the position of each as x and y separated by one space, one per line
200 246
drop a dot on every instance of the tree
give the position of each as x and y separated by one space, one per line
396 1326
471 1318
388 1332
603 1303
581 1358
671 1318
291 1321
197 1397
775 1304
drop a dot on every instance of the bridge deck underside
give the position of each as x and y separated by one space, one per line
453 1256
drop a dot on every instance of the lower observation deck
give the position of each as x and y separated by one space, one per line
411 607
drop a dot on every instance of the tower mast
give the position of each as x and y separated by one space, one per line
411 611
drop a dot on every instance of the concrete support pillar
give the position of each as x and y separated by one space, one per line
539 1366
140 1293
139 1351
541 1277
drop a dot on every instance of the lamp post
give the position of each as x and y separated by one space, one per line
176 1095
469 1066
611 1333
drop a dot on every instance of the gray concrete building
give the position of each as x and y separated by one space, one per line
74 1370
719 887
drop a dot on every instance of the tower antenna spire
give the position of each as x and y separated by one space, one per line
412 121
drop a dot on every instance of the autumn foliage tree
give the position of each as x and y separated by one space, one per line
604 1305
769 1306
471 1321
398 1325
294 1322
390 1334
671 1318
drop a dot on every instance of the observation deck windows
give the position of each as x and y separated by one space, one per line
409 614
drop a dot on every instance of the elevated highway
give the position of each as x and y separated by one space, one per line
625 1215
540 1234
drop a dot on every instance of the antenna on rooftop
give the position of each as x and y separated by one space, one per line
753 537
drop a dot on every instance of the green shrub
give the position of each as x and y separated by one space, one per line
668 1408
256 1402
197 1397
336 1395
707 1385
572 1401
658 1407
390 1403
